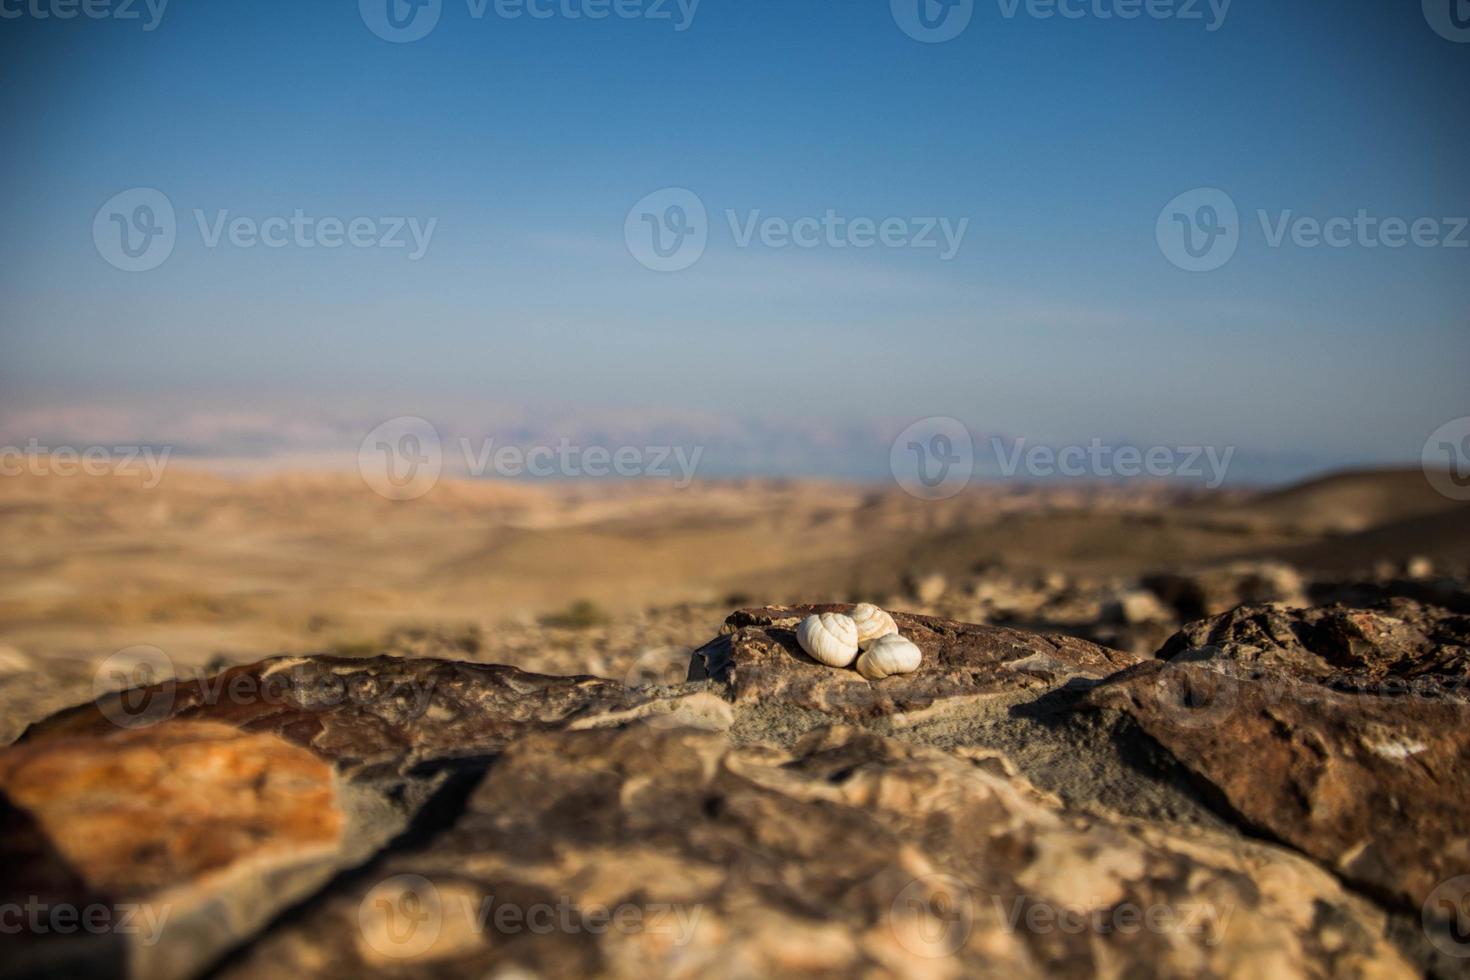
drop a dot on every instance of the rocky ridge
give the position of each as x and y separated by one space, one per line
1280 791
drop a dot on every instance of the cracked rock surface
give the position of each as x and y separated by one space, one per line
1022 805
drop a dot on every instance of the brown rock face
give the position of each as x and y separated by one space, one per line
1372 786
1394 640
758 660
359 712
1266 803
650 852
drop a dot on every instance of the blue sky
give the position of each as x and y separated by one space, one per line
528 140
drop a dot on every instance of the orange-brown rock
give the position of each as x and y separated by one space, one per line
140 811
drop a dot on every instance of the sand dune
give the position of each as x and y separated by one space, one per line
1349 501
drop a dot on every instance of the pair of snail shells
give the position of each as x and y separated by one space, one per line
872 623
830 638
888 655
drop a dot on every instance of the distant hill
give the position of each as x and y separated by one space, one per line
1443 537
1350 501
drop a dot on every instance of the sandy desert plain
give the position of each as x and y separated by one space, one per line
213 566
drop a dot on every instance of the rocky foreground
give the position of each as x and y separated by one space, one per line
1279 791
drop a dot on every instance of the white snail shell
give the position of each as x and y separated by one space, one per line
831 638
889 655
872 623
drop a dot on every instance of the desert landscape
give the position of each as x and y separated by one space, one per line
465 679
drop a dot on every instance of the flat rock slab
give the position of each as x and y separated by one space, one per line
758 660
359 712
1374 786
657 852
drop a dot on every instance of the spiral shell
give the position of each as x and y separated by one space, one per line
872 623
831 638
889 655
